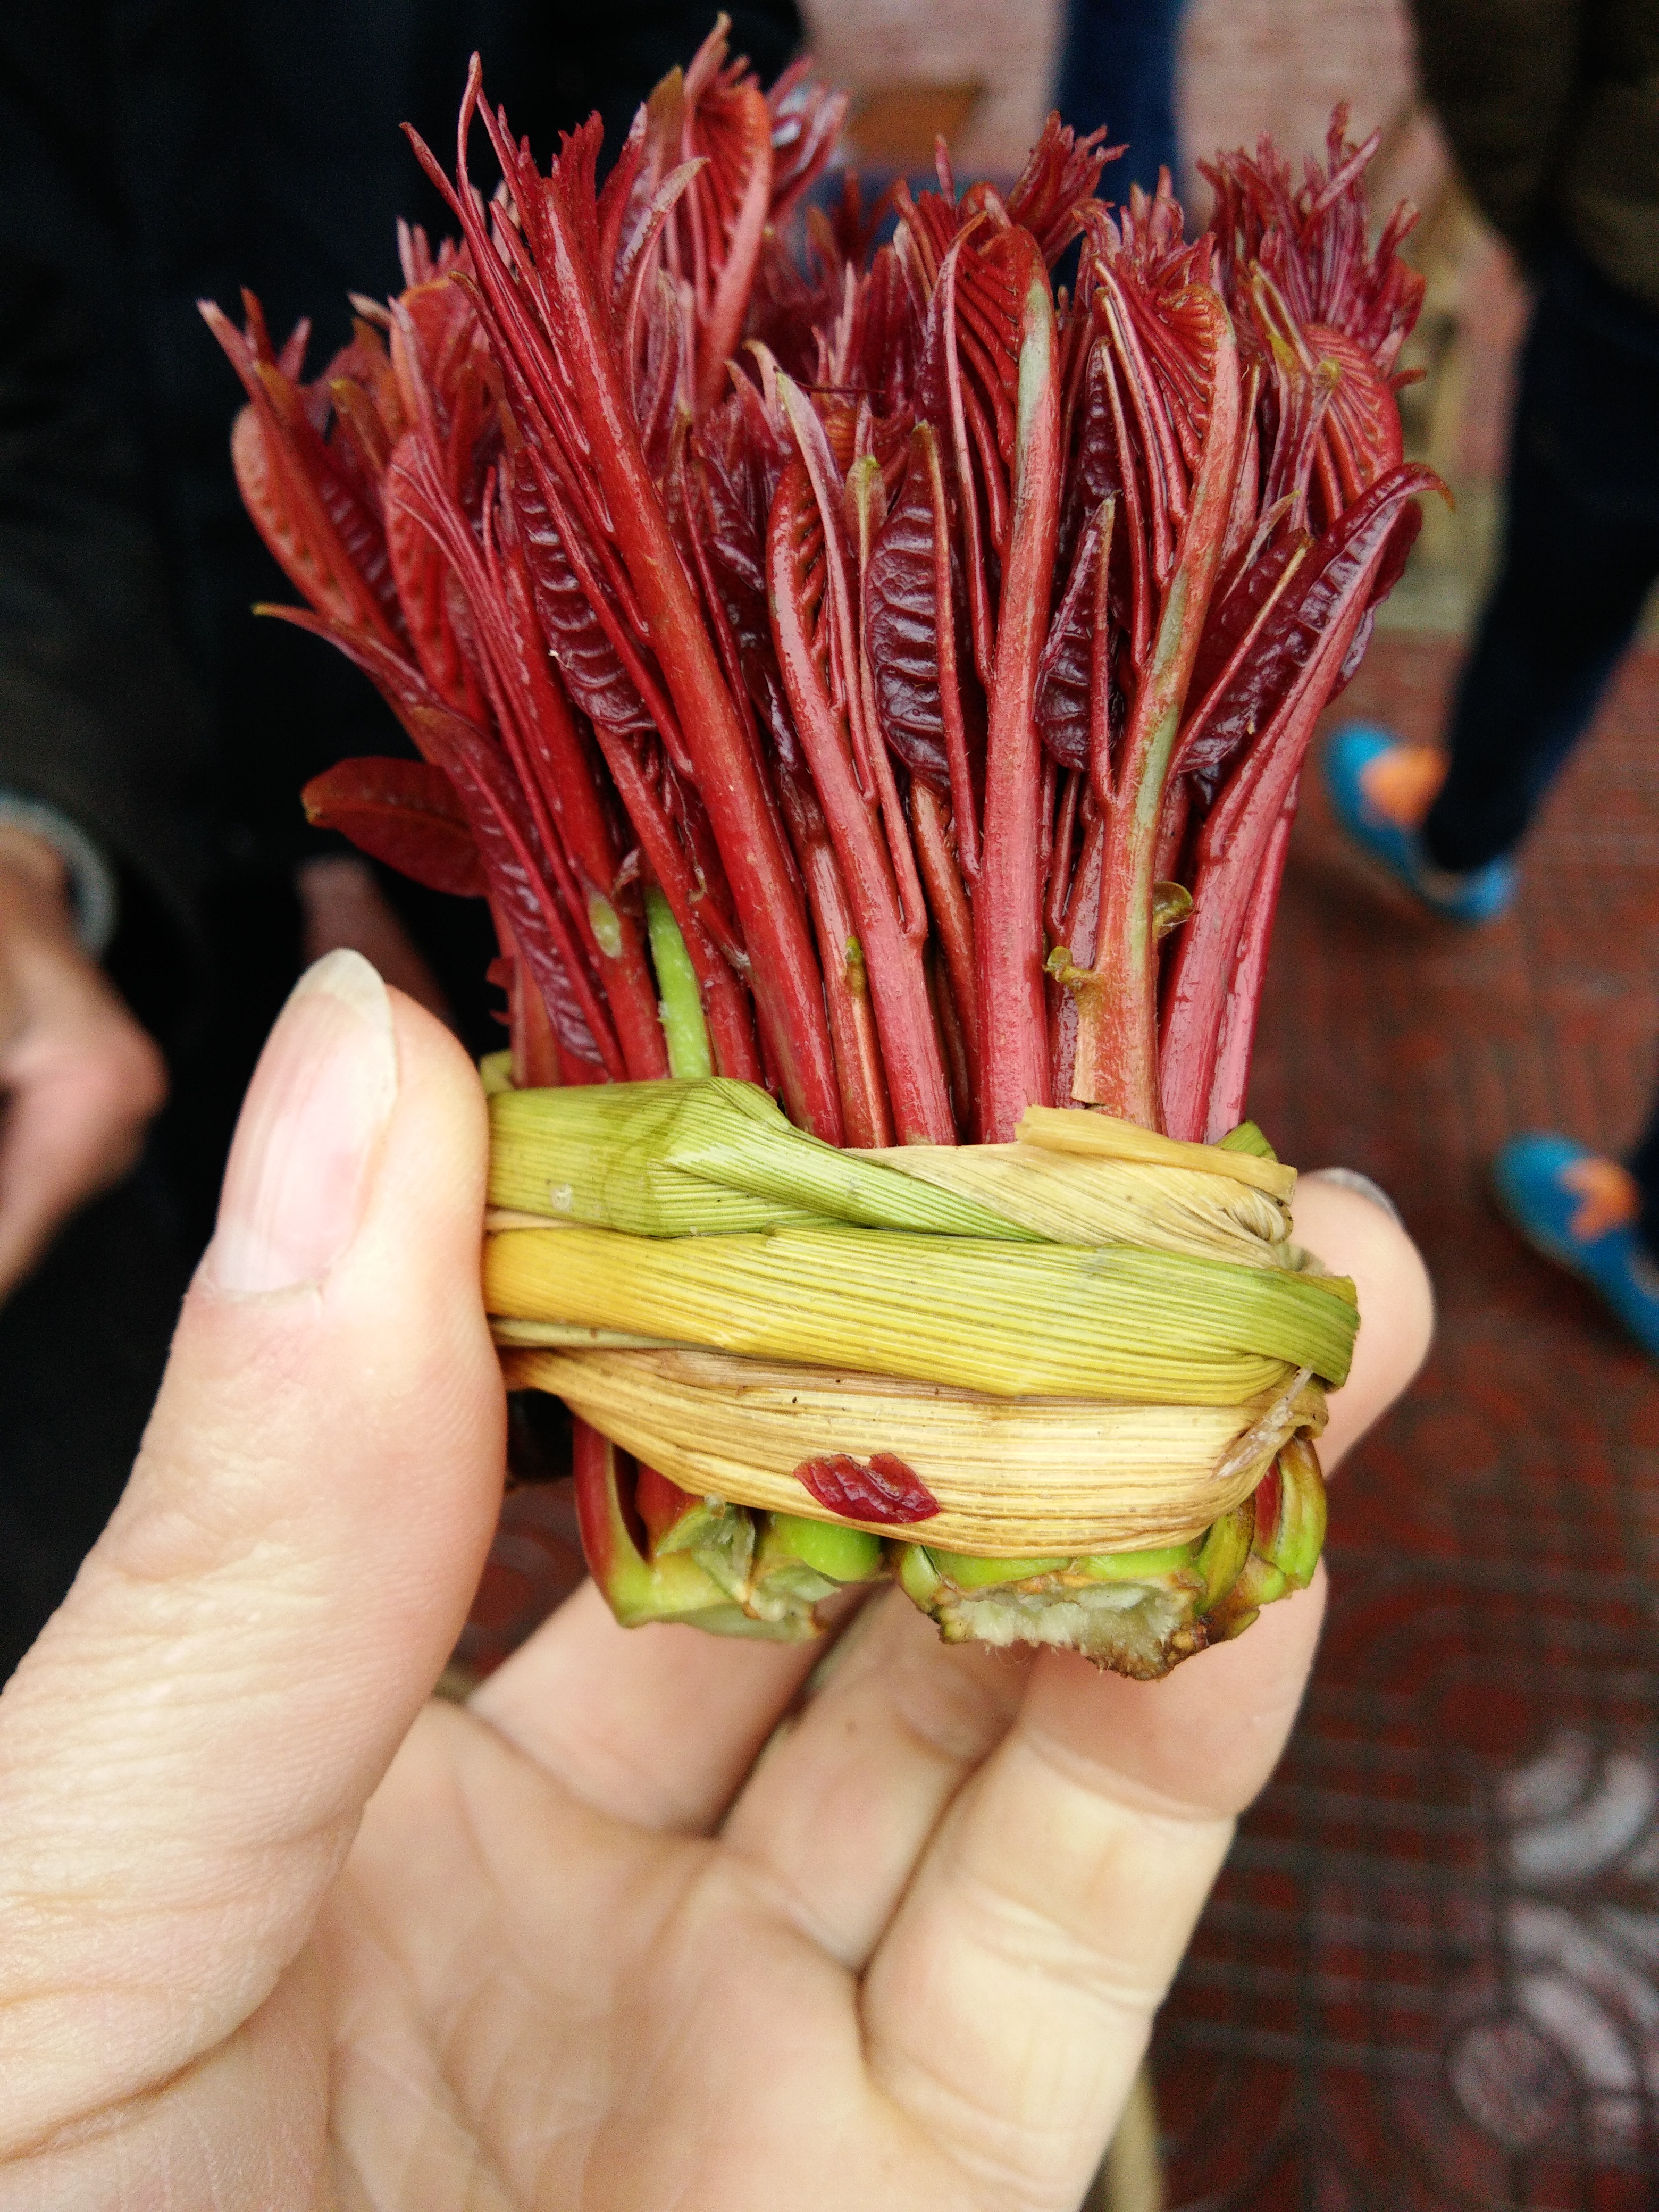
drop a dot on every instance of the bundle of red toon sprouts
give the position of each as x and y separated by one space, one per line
869 681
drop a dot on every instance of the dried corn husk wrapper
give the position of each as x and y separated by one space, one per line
1087 1348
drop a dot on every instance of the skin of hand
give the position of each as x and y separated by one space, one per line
342 908
644 1926
80 1079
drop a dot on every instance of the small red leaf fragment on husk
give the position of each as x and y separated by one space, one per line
882 1488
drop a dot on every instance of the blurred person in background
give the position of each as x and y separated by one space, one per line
1551 108
158 888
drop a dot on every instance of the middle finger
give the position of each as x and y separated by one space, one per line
655 1725
847 1795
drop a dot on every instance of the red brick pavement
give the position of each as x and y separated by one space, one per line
1389 2005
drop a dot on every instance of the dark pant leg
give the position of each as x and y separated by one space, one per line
1581 552
1117 67
1644 1165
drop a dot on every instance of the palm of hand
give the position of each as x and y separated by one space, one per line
550 1985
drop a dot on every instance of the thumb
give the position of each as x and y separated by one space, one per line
185 1753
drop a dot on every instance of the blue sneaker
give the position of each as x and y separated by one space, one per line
1380 789
1582 1211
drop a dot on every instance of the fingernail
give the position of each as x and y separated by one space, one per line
1352 1179
311 1125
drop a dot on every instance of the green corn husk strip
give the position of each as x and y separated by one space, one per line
711 1157
703 1158
1012 1320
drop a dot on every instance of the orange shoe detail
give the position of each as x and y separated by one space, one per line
1400 785
1609 1193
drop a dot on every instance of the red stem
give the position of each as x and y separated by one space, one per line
535 1061
1230 1082
1117 1027
1355 556
1079 930
427 503
725 1005
1061 850
979 600
784 976
953 919
1232 855
561 774
576 334
845 985
963 806
1008 905
916 1083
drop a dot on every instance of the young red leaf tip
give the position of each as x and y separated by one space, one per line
901 620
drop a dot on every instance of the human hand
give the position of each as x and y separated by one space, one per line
281 1934
342 908
80 1079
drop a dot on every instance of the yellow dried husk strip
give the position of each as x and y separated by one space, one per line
1014 1321
1104 1136
1069 1199
1013 1478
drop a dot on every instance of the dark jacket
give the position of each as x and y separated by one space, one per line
153 152
1551 108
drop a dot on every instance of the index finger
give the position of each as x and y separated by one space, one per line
1358 1236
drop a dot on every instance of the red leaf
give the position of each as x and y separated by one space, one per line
731 125
404 812
1060 174
901 626
806 119
595 674
316 522
1070 673
1360 434
881 1489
